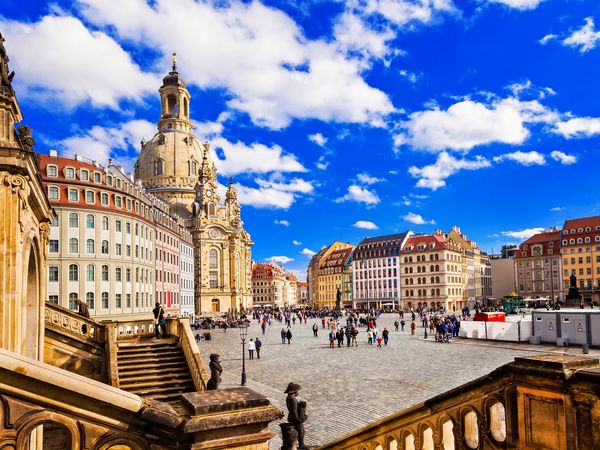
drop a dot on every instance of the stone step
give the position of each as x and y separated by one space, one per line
165 390
138 348
145 376
154 384
146 343
175 369
150 359
152 365
155 353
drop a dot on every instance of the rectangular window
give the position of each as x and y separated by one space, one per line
53 273
118 202
128 275
51 171
128 202
128 227
128 250
53 299
118 226
118 250
53 246
89 196
118 271
213 280
53 193
73 195
104 199
128 301
117 300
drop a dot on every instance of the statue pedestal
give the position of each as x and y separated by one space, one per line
289 436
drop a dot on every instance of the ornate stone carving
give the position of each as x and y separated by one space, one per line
5 77
25 134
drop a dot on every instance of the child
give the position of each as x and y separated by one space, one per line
379 339
370 337
413 326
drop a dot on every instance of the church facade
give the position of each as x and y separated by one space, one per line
176 167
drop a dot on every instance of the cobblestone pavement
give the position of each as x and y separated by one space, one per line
347 388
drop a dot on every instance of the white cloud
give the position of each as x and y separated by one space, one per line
100 143
360 195
434 175
531 158
578 127
365 225
281 259
295 242
402 12
365 178
322 165
352 35
557 209
563 158
264 197
468 123
258 53
297 185
318 139
519 4
239 157
523 234
585 38
417 219
283 222
308 252
547 38
412 77
60 60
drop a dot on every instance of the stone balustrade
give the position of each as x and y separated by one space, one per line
135 328
192 354
69 322
542 402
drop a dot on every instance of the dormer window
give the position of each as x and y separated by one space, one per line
51 171
588 229
158 167
84 175
69 172
97 177
566 232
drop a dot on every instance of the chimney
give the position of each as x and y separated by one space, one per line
53 153
78 157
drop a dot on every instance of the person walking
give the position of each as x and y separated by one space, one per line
263 326
348 334
396 325
159 320
331 339
370 337
379 339
385 335
283 335
258 345
340 337
402 323
251 348
288 335
354 333
413 326
315 328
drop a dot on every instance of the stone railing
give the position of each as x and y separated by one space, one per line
542 402
192 354
41 404
135 329
69 322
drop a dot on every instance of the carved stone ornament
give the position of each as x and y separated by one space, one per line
26 137
161 139
5 77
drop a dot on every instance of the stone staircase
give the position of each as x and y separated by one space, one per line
154 368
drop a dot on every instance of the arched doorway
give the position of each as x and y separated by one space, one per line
215 306
31 316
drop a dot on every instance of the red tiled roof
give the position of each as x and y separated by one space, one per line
439 242
584 222
336 258
544 239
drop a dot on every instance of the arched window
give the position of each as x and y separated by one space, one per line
73 272
72 297
89 246
193 168
158 167
186 111
73 220
171 105
105 300
105 247
89 299
104 273
90 271
104 223
89 221
73 245
213 259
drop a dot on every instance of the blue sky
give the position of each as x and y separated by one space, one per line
337 120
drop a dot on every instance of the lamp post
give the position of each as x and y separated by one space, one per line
244 335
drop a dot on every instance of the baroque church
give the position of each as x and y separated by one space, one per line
176 167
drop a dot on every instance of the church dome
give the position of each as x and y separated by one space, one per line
173 79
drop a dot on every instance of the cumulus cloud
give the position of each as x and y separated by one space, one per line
238 157
365 225
281 259
353 36
557 209
259 54
417 219
283 222
578 127
359 194
59 59
585 38
523 234
295 242
547 38
403 12
308 252
100 143
434 176
365 178
297 185
469 123
411 77
519 4
531 158
318 139
563 158
264 197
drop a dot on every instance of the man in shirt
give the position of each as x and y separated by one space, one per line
159 320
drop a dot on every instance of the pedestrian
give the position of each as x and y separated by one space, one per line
288 335
402 323
263 326
283 334
82 309
258 345
331 339
369 337
348 334
396 325
323 322
379 339
413 326
385 335
340 337
315 328
251 348
159 320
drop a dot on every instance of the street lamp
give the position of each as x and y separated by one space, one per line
244 335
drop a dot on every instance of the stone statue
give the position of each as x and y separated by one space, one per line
294 429
161 139
5 77
338 299
26 137
573 280
215 373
